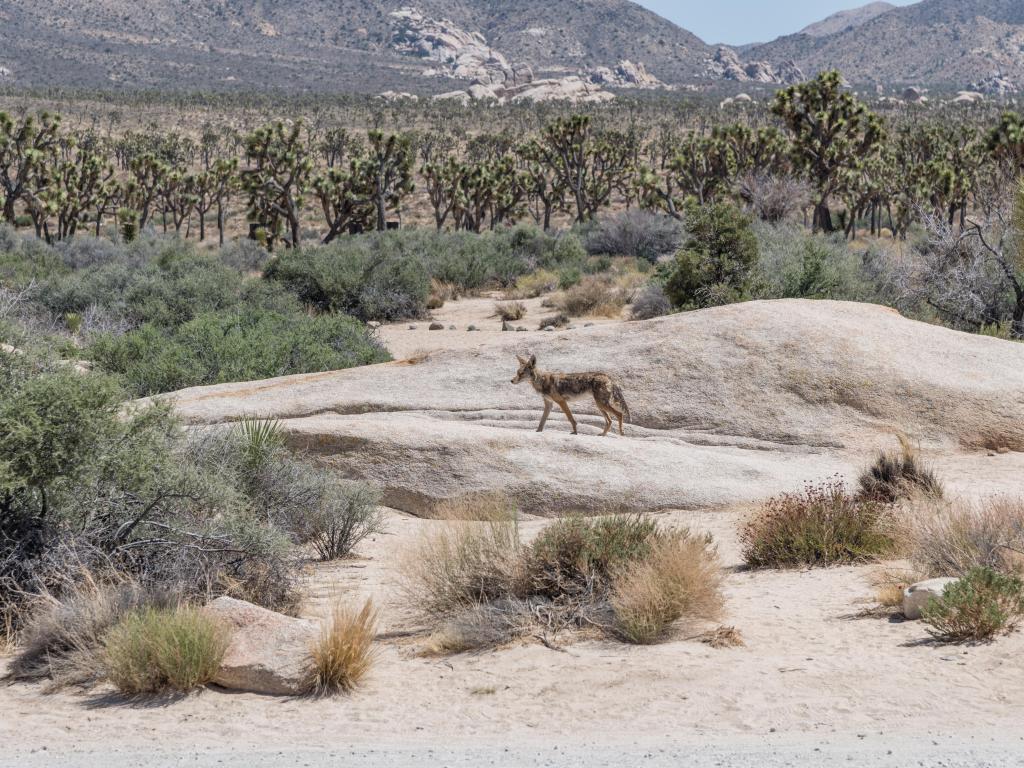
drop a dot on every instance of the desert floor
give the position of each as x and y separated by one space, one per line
821 678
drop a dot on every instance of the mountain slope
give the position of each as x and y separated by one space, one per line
935 42
842 20
323 45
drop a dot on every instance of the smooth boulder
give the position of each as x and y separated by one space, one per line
269 653
728 406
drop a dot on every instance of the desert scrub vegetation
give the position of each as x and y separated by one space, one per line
95 494
635 233
389 276
163 316
620 575
979 606
164 650
895 475
343 654
821 526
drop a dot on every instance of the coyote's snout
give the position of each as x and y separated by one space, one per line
562 387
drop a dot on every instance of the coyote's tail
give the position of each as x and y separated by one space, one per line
620 401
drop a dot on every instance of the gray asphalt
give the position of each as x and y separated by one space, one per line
806 752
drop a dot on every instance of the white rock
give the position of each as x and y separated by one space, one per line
917 597
269 653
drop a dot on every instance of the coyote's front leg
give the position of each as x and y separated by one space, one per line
547 412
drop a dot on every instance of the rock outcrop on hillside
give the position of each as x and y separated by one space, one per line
729 405
453 52
726 64
995 84
625 74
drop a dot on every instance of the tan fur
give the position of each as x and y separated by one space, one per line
560 388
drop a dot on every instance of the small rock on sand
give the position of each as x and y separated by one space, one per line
916 597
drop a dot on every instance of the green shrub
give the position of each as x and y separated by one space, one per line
235 345
982 604
716 264
346 515
796 264
158 651
575 555
822 526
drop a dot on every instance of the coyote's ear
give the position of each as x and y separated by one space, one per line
533 359
522 360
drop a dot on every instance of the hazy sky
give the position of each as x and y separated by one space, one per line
748 21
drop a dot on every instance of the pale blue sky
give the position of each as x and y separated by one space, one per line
748 21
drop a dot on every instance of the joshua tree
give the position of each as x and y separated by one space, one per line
276 180
831 131
26 146
588 164
388 163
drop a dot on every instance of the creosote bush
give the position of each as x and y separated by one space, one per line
168 650
821 526
343 654
897 475
981 605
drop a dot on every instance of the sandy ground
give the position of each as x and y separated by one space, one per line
413 339
820 679
815 674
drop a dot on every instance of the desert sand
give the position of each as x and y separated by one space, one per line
821 677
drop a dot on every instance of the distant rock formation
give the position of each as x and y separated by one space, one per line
726 64
626 74
995 84
575 90
5 73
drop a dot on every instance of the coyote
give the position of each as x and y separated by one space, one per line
562 387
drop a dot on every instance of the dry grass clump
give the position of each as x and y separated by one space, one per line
344 653
510 310
461 564
897 475
681 577
534 284
479 507
952 538
62 642
441 293
554 321
723 637
822 526
164 650
601 295
618 573
984 603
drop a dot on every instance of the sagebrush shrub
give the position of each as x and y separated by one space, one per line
635 233
650 302
158 651
982 604
821 526
344 654
594 295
